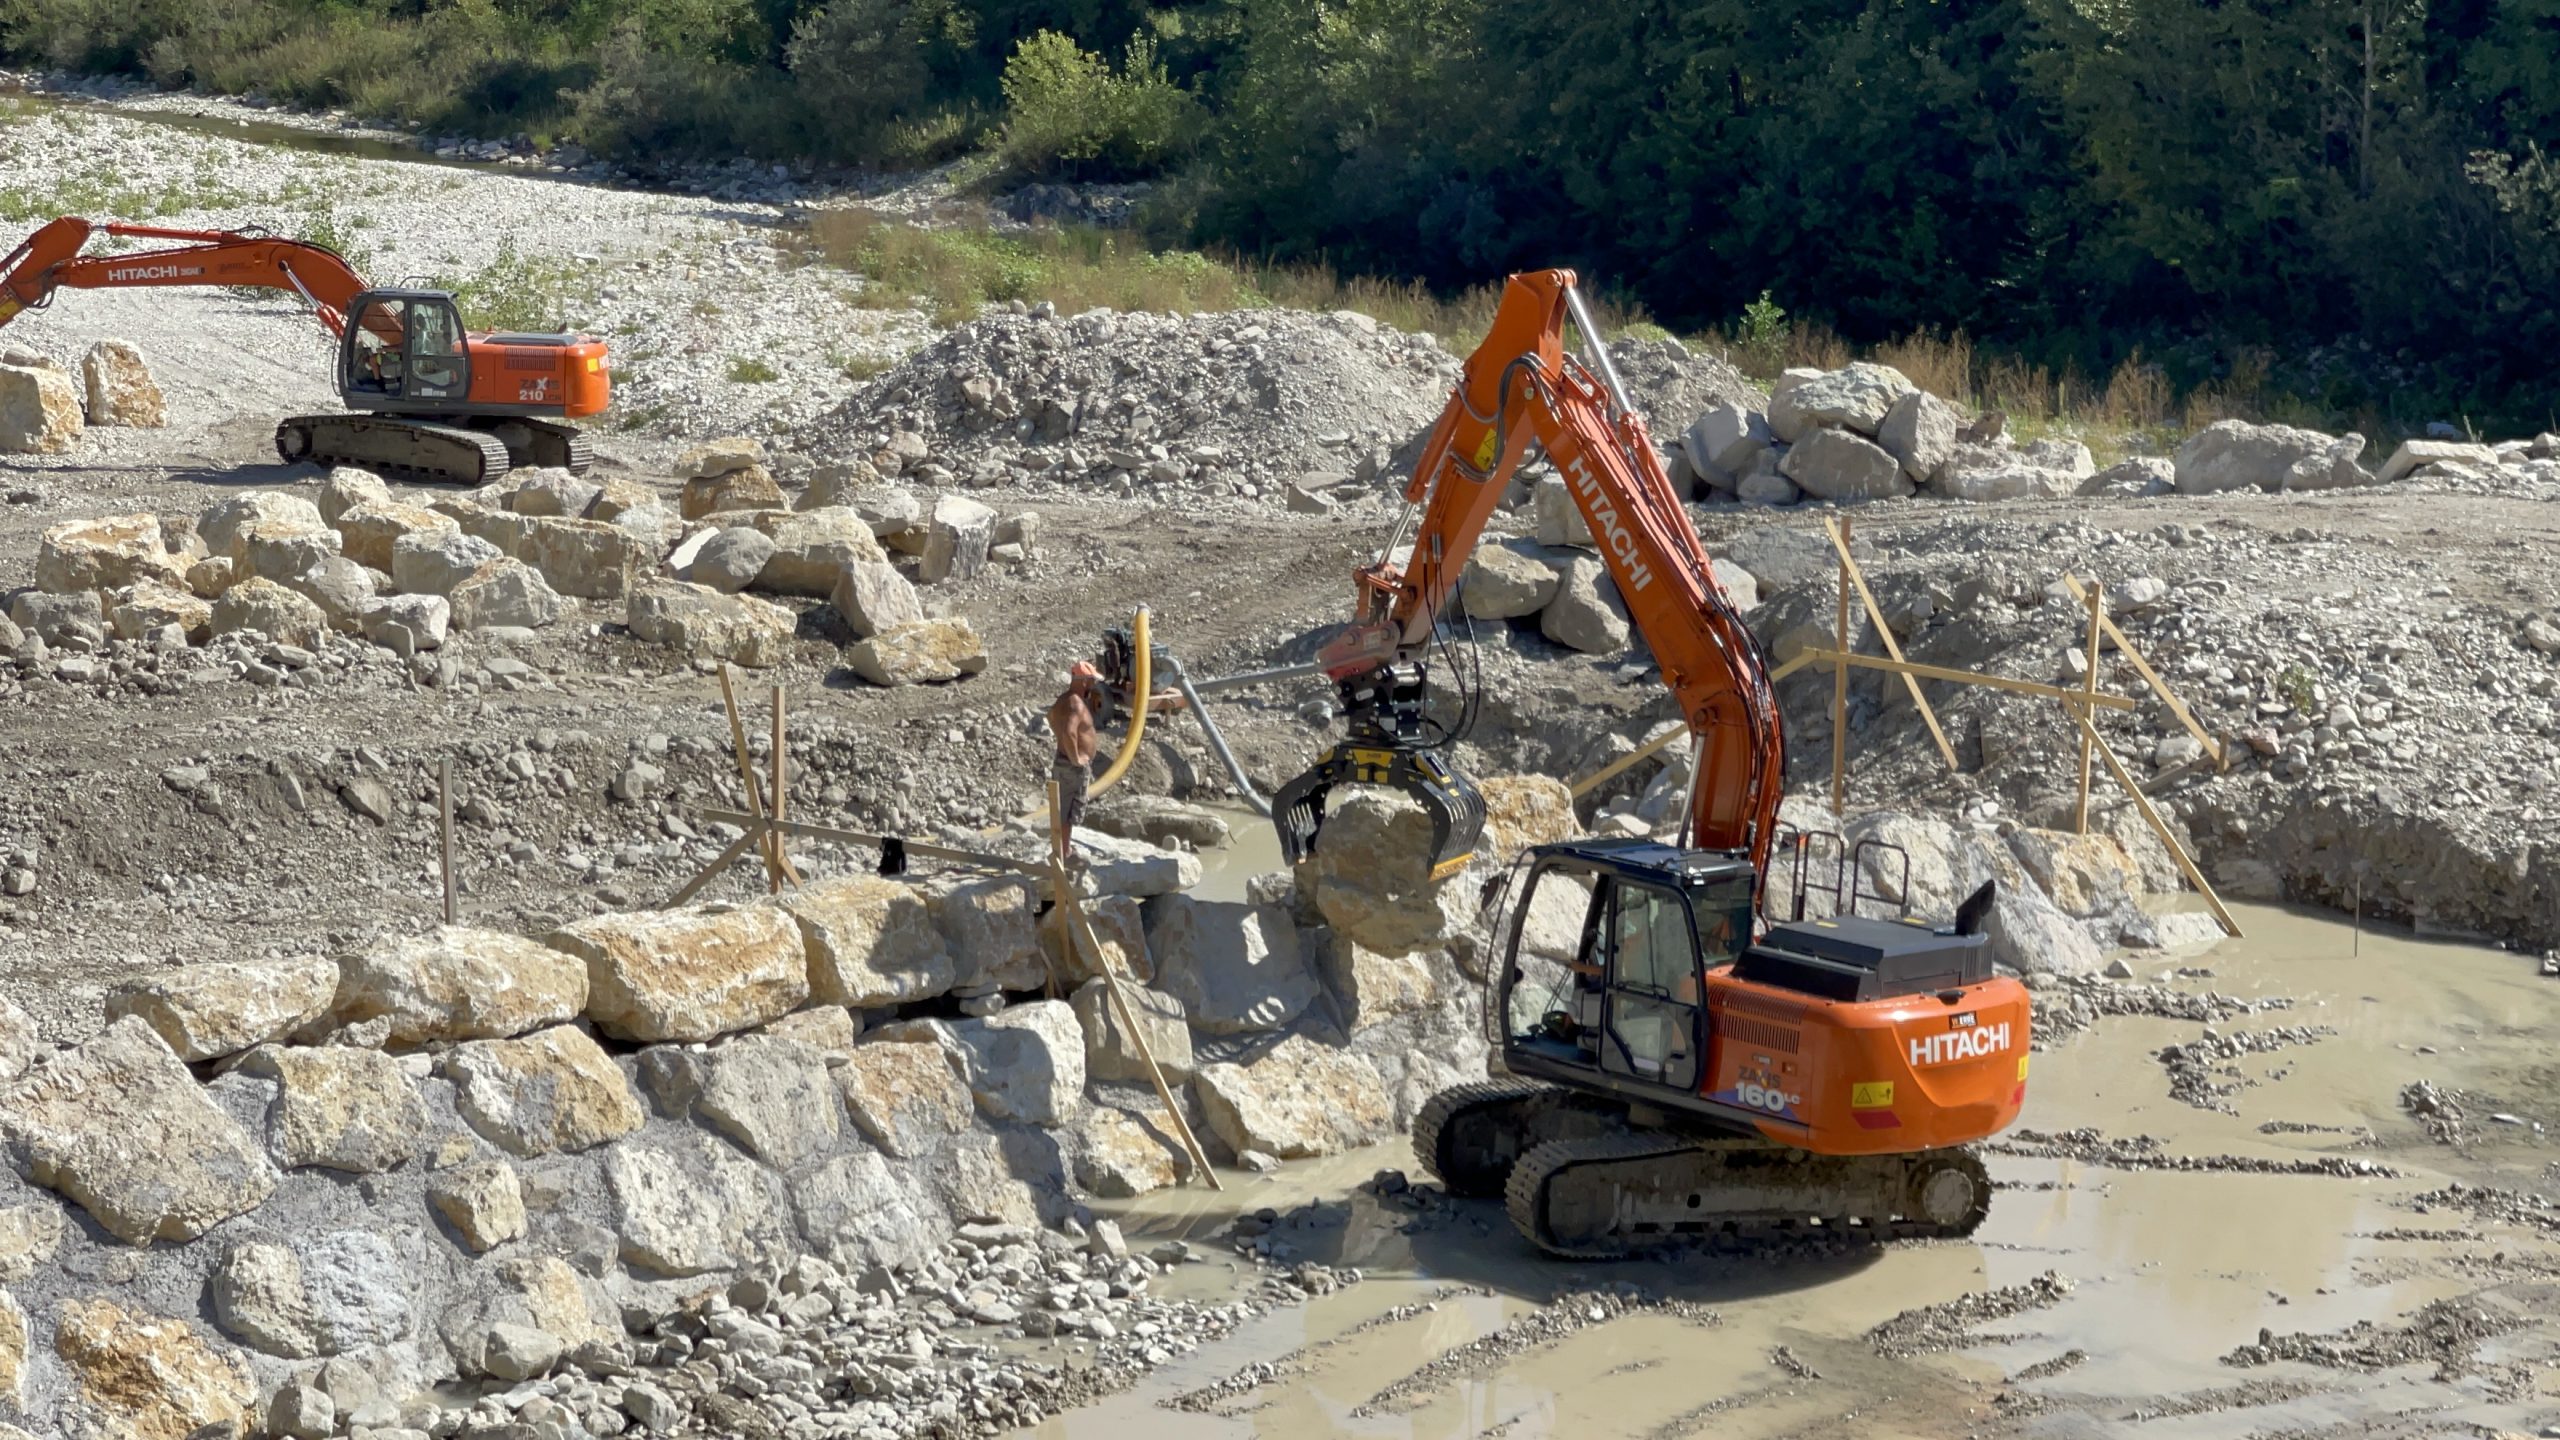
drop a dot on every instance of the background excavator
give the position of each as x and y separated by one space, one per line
429 400
1683 1064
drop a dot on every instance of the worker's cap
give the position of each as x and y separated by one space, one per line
1083 670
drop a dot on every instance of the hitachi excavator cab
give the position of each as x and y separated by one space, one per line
403 351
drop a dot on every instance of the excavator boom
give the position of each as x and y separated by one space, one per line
1518 388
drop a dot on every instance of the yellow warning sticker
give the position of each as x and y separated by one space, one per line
1871 1095
1487 448
2022 1067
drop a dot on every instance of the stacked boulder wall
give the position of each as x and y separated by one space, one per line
1296 1100
688 974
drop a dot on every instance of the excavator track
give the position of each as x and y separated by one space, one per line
1601 1197
561 447
1469 1136
392 445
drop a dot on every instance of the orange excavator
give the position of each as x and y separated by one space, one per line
1684 1063
427 400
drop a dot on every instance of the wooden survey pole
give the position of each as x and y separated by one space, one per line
1839 534
769 843
781 786
2151 817
2089 706
1840 690
444 806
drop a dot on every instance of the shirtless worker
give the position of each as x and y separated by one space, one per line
1071 725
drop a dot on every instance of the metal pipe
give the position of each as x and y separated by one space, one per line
1259 677
1217 741
1598 349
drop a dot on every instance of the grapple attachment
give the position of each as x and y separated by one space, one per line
1451 800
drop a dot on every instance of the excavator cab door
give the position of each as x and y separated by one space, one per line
404 350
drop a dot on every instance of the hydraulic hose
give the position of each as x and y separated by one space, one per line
1145 693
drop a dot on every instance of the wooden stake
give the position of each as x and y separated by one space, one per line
1840 689
1623 763
757 825
1966 677
766 841
2151 817
1884 632
781 788
1080 935
444 804
2088 708
2158 686
751 835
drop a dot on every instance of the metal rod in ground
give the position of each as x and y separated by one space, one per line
2088 705
1840 693
444 804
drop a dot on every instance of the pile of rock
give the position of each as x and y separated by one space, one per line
44 409
1259 403
469 1154
1554 578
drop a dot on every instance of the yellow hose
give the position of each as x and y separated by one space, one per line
1137 722
1138 713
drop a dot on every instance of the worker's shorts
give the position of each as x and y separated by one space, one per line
1072 779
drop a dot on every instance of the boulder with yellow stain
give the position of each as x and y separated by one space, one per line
149 1377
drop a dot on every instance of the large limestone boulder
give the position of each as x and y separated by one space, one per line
1555 520
871 941
1296 1101
340 1107
1855 397
504 592
1025 1063
434 562
586 558
872 597
750 487
369 533
348 488
322 1295
691 1206
1920 431
105 553
1232 967
904 1097
707 625
927 652
343 589
2236 455
858 1211
2084 875
20 1044
1587 613
149 1377
723 456
121 390
223 524
956 539
2414 455
456 983
1371 874
1725 442
56 618
1119 926
1510 579
1111 1049
730 559
663 975
1369 988
1122 1155
2030 935
1521 811
811 549
1983 473
991 929
550 491
39 411
772 1097
406 624
1837 465
223 1007
552 1091
483 1200
143 607
278 552
119 1127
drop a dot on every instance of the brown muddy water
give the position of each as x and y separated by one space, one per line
2169 1270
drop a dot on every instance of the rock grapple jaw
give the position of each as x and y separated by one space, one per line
1452 801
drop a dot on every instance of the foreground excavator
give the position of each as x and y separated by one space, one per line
429 401
1684 1065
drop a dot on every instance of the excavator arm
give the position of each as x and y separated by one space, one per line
50 259
1520 388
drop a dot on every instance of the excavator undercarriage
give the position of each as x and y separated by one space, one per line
416 448
1586 1177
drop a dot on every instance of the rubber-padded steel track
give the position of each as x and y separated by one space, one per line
1604 1196
563 447
1432 1127
391 444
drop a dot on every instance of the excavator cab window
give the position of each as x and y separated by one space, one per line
1608 968
407 346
